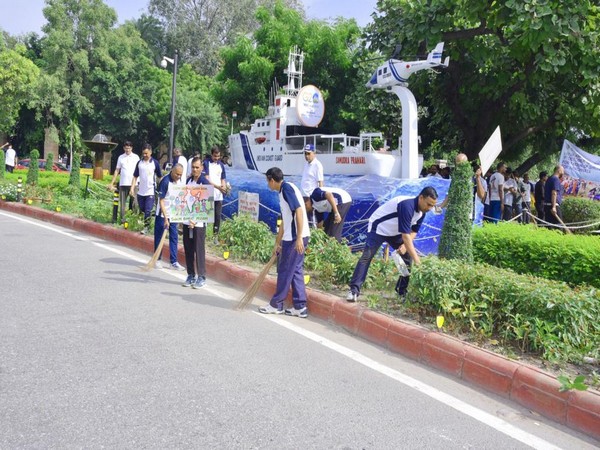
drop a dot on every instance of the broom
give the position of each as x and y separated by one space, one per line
154 258
250 293
562 223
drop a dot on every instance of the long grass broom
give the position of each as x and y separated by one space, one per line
250 293
565 228
154 258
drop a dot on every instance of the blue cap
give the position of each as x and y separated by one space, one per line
309 148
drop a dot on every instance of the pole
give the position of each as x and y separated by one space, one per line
173 103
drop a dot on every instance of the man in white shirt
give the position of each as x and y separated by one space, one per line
10 159
147 171
510 189
178 158
215 170
496 193
312 175
125 168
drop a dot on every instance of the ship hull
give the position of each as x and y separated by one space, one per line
260 157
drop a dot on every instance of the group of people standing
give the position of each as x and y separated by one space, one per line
509 196
142 180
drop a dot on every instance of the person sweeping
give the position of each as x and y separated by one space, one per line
290 244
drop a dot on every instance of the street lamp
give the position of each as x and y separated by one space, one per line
233 116
164 64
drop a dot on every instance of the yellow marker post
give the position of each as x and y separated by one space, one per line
306 279
439 321
226 255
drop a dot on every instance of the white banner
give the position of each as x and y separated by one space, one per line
249 203
582 172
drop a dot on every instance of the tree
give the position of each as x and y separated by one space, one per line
249 66
200 29
33 171
49 162
75 176
17 80
456 241
530 67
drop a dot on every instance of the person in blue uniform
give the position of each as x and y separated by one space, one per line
334 202
396 222
290 244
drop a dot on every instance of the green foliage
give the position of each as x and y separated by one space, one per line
538 315
2 164
581 212
538 251
245 238
578 383
75 178
8 191
34 167
49 162
511 64
17 79
456 241
330 262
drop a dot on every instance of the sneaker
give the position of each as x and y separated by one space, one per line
268 309
144 231
352 296
190 280
177 266
302 312
200 283
158 265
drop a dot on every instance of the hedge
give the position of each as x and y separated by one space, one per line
546 317
546 253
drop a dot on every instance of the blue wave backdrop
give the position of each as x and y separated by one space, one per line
368 192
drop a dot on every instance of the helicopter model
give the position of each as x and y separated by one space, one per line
395 72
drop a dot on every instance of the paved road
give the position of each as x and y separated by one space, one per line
95 353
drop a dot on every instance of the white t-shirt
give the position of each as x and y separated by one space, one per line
290 199
183 161
311 176
9 159
527 193
214 173
508 196
496 180
126 166
146 171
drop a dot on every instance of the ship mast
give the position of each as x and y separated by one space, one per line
294 72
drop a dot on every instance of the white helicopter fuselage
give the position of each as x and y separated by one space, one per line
395 72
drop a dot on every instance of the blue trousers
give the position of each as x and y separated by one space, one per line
290 273
495 210
372 245
146 203
159 227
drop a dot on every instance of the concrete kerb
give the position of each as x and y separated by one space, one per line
526 385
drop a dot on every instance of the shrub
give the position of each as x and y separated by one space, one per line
49 162
546 317
546 253
581 211
456 241
2 164
74 178
8 191
247 239
332 262
34 167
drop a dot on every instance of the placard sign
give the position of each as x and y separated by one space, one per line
490 151
190 203
248 203
310 106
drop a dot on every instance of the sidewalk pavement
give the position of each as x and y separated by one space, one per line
526 385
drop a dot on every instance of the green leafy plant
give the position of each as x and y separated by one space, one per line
75 179
8 191
456 241
34 167
580 212
245 238
49 162
566 384
2 164
539 251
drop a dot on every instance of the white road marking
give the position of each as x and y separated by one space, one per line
477 414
